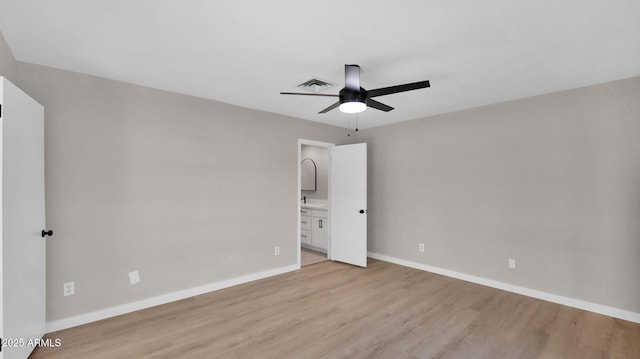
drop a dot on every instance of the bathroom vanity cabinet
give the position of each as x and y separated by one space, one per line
314 229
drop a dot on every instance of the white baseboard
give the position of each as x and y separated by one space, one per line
571 302
314 248
171 297
162 299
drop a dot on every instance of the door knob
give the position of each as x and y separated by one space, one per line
362 211
46 233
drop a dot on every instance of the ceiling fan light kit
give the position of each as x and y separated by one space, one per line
352 107
354 99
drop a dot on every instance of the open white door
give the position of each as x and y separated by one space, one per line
348 204
22 282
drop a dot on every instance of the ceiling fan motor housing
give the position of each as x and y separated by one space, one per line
348 95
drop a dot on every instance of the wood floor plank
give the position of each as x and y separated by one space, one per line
333 310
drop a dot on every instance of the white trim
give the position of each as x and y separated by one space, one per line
314 248
162 299
571 302
302 141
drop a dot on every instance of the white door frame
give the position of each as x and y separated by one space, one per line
317 144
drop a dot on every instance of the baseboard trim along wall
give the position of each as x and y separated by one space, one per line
571 302
162 299
175 296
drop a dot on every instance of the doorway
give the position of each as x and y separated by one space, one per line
313 204
340 228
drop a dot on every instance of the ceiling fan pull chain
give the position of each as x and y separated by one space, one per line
356 122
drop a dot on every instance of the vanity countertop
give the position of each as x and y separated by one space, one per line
315 206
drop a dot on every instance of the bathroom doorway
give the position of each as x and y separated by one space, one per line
334 223
313 209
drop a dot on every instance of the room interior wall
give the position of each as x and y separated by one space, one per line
320 156
186 191
141 179
7 61
551 181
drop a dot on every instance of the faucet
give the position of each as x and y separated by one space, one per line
304 199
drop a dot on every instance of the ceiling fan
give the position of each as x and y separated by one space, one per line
353 98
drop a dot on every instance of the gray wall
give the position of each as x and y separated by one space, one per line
7 62
320 155
552 181
187 191
174 186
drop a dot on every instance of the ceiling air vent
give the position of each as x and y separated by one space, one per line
315 85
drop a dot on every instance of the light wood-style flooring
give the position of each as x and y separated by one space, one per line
333 310
308 256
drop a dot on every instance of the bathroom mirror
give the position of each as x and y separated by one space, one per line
308 175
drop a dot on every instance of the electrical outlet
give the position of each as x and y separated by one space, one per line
134 277
276 251
421 247
68 288
512 263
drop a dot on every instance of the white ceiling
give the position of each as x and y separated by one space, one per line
242 52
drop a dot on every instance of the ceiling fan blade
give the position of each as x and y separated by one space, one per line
378 105
308 94
398 88
330 108
352 77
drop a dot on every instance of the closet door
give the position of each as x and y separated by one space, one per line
23 219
